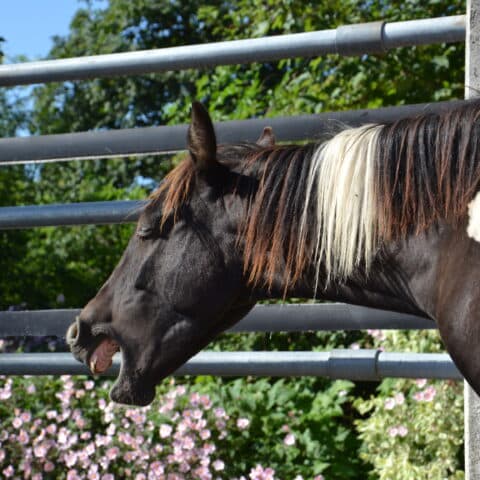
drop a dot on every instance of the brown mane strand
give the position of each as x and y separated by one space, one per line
427 170
175 189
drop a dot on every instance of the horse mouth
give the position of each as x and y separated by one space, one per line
100 358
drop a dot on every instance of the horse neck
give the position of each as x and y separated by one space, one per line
403 277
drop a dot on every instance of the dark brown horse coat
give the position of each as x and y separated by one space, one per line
374 216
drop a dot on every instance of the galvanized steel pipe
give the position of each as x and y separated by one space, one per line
263 318
168 139
362 365
346 40
84 213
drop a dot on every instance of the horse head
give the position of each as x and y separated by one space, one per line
180 281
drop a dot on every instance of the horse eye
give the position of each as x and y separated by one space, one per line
157 229
144 232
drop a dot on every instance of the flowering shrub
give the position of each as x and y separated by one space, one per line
414 428
77 431
65 427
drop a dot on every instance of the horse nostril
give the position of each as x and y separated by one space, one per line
73 332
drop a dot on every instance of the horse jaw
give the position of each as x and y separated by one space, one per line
473 228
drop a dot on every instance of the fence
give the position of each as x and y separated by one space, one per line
348 40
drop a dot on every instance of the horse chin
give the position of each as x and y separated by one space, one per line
131 389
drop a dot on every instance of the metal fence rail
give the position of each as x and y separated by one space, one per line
168 139
263 318
373 37
364 365
95 213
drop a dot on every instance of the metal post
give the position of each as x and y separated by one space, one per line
472 86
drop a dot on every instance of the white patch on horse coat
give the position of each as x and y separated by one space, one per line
341 183
473 228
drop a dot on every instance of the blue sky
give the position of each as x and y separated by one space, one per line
28 25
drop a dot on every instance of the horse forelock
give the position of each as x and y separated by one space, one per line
174 190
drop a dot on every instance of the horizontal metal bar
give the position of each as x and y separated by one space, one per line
346 40
263 318
167 139
95 213
363 365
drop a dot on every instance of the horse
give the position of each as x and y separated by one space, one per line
382 215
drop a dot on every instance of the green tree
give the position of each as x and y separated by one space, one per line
14 190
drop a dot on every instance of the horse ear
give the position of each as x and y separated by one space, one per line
201 141
267 138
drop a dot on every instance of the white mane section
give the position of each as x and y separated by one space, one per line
473 229
341 190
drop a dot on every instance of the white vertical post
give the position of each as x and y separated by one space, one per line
472 89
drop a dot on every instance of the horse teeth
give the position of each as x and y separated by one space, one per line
93 365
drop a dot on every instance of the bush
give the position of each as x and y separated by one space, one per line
66 428
413 428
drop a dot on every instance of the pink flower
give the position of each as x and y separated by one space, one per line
165 430
202 473
378 334
197 414
112 453
51 429
389 404
219 413
355 346
17 422
188 443
23 437
421 382
205 401
157 468
418 396
393 431
319 477
9 471
243 423
72 475
140 476
93 473
259 473
40 450
205 434
402 431
399 398
426 395
108 476
26 416
2 455
49 467
37 476
289 439
218 465
209 448
70 459
429 393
